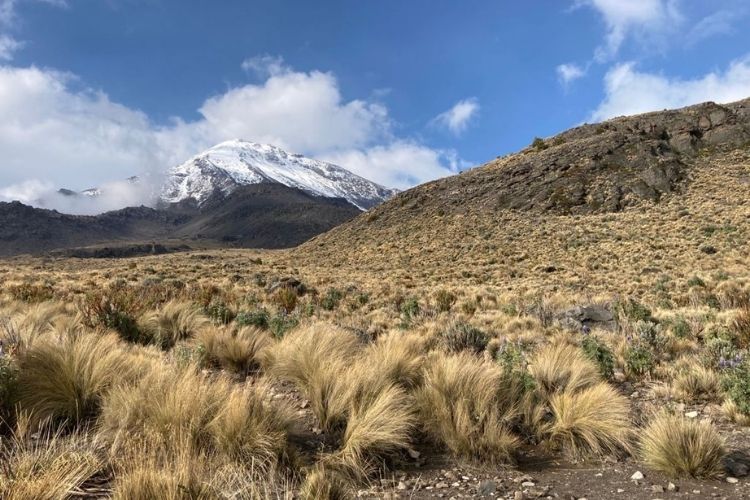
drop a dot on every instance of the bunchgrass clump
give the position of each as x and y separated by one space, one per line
679 446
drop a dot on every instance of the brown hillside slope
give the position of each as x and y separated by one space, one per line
637 200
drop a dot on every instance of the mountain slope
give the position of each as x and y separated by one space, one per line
634 194
226 166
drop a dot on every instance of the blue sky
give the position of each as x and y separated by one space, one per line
92 91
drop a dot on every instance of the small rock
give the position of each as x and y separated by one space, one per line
619 376
671 487
304 404
518 495
696 492
634 395
657 488
732 480
317 431
691 414
413 454
528 484
441 486
637 476
487 488
620 490
401 485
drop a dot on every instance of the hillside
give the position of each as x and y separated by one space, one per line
640 197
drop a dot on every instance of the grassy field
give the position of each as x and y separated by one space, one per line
359 362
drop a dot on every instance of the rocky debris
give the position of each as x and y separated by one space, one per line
737 464
486 488
637 476
290 283
588 316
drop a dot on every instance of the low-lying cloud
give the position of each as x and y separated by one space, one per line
57 133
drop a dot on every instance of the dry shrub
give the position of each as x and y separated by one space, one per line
49 467
734 414
65 380
591 421
740 327
173 322
468 405
316 358
235 349
561 368
325 483
23 325
733 295
169 407
697 383
396 358
376 428
679 446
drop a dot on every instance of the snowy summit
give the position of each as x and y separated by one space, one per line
235 163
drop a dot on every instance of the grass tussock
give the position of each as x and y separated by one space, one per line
65 380
679 446
591 421
468 405
238 350
50 467
173 406
172 322
562 367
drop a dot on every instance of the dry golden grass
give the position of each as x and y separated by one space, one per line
468 405
679 446
562 367
64 380
50 467
589 421
172 406
173 322
239 350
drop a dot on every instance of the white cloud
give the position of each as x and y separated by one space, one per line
457 118
629 91
44 194
8 45
718 23
80 138
650 21
568 73
265 65
401 164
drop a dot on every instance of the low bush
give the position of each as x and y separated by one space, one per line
171 323
259 318
64 381
469 406
461 336
599 353
589 421
561 367
235 349
679 446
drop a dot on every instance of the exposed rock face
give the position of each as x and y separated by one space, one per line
597 168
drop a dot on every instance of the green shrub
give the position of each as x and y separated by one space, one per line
281 324
116 309
681 328
736 384
29 292
331 299
460 336
697 282
598 352
258 317
219 311
444 300
639 359
539 144
410 308
633 310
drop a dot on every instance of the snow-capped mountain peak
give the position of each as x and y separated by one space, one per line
230 164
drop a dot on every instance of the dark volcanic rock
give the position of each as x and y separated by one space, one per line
597 168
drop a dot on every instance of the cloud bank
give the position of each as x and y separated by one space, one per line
55 134
458 118
630 91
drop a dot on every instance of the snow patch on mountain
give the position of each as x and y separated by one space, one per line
235 163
